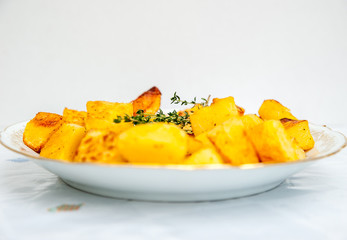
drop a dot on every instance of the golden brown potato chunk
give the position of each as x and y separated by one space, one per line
40 128
64 142
251 120
148 101
194 145
204 156
203 138
74 116
154 143
273 144
101 115
99 146
232 142
300 131
240 110
204 119
103 124
273 110
108 110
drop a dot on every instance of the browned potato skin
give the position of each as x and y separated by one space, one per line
148 101
241 110
300 131
40 128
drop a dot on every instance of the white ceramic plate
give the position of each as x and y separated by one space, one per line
179 182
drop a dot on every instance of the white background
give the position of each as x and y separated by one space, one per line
56 54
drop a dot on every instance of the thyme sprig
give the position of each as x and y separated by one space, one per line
172 117
181 118
141 118
177 100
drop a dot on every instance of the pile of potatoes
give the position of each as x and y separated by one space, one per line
222 134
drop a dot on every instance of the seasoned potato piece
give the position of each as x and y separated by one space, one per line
206 118
204 156
74 116
64 142
193 145
101 115
103 124
189 111
272 142
240 110
251 120
148 101
154 143
232 142
203 138
99 146
273 110
108 110
40 128
300 131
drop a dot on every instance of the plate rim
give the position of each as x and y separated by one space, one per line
187 167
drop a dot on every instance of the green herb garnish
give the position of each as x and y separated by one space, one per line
182 120
141 118
177 100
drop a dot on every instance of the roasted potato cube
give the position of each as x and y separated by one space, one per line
193 145
99 146
40 128
232 142
240 110
206 118
272 142
101 115
203 138
148 101
103 124
300 131
251 120
64 142
273 110
108 110
204 156
74 116
154 143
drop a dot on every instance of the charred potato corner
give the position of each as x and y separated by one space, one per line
139 132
